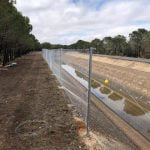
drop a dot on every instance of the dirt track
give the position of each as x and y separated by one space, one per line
33 111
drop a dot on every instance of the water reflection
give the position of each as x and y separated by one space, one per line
105 90
133 109
126 108
95 84
81 75
115 97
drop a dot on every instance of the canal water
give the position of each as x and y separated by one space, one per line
128 109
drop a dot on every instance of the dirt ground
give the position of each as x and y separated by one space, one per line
131 76
33 111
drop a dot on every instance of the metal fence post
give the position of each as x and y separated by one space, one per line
89 89
52 57
60 63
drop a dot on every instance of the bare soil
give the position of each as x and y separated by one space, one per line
33 110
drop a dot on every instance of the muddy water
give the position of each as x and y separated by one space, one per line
133 113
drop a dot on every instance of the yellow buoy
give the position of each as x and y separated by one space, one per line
106 82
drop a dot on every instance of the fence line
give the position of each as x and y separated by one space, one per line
80 80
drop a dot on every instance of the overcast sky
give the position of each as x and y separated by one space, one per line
66 21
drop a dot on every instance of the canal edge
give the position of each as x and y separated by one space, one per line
130 132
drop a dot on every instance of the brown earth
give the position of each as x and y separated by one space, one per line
33 110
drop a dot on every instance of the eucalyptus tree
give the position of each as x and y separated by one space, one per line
136 38
146 45
98 44
119 45
80 45
108 45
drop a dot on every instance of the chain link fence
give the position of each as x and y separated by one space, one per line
110 85
69 78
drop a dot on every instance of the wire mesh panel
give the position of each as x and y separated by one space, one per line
124 90
75 80
71 76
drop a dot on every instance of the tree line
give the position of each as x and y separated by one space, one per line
137 45
15 33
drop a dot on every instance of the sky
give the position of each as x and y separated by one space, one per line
67 21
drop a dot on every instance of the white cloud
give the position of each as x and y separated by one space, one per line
64 22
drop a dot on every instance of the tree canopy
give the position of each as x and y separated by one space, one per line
138 45
15 33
